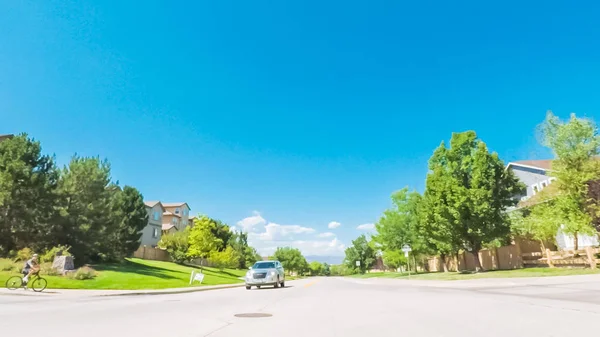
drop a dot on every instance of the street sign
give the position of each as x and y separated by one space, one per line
406 249
358 263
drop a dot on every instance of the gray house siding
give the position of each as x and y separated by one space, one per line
530 177
152 232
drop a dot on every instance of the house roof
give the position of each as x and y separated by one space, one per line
175 204
167 226
543 164
171 213
153 203
3 137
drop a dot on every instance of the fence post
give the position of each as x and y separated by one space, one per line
591 257
549 258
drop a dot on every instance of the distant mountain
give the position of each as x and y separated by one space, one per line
325 259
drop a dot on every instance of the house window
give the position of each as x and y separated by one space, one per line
155 233
535 189
156 216
176 210
174 221
544 184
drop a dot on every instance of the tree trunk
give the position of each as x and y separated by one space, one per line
576 242
478 267
456 262
444 265
415 263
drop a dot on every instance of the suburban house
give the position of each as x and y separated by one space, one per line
152 232
175 217
537 176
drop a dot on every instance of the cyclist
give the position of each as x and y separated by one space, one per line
31 267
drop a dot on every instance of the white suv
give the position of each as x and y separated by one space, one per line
265 273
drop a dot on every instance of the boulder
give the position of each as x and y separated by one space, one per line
63 264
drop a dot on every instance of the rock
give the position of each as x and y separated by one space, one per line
63 264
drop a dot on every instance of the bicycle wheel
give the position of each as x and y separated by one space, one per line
39 284
14 282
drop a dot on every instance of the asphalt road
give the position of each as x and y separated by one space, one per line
567 306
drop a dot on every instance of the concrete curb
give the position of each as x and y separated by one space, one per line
172 291
94 293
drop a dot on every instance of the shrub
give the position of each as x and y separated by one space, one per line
46 269
225 259
50 254
24 254
83 273
10 266
176 244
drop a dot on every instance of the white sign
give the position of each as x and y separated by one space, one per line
196 277
358 263
406 248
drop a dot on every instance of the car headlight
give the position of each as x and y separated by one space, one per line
249 273
273 273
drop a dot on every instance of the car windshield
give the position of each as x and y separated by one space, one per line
263 265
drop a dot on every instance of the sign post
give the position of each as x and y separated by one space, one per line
406 249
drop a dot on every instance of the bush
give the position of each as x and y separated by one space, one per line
46 269
83 273
225 259
176 244
50 254
10 266
24 254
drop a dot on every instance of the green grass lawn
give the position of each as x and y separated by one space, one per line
526 272
140 274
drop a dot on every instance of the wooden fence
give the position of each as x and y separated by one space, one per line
522 253
151 253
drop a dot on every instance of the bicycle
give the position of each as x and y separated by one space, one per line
38 283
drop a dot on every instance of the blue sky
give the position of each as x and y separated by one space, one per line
290 115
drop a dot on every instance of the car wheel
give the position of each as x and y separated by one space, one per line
277 283
248 287
283 284
257 287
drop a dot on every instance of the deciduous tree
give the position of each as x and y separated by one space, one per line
574 143
362 252
477 190
202 241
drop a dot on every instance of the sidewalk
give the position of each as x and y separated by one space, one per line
593 280
99 293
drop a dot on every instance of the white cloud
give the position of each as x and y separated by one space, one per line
248 224
366 227
266 236
333 225
326 235
332 247
275 232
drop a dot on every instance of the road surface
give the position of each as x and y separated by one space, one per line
567 306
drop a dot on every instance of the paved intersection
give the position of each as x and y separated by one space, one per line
324 307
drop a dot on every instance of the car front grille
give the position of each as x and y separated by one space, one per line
259 275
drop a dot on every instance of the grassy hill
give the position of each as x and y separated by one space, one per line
140 274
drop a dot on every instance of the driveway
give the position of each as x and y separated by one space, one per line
325 307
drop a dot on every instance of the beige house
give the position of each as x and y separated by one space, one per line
176 216
152 232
